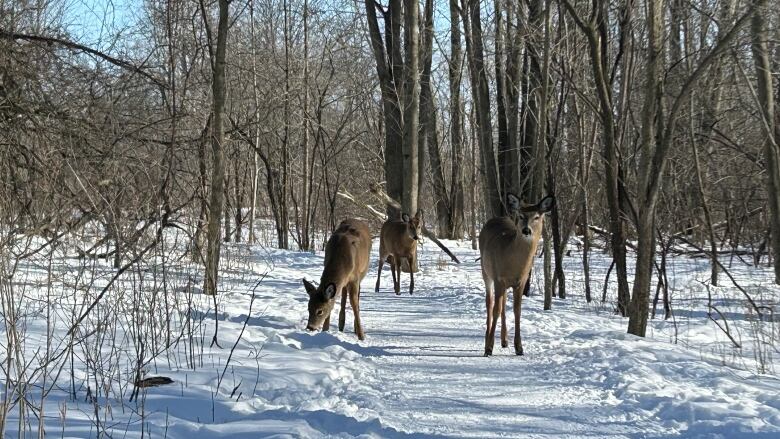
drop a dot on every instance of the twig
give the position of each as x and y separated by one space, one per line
246 321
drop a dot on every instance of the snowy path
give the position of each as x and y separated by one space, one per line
581 375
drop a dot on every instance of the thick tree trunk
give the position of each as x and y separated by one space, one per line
457 202
429 139
643 271
765 92
217 140
472 25
411 106
389 64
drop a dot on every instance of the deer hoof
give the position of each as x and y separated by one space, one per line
504 343
488 352
519 351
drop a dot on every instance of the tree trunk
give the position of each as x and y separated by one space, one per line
411 105
217 140
651 125
596 34
765 92
429 139
457 203
389 64
472 25
255 164
306 189
659 131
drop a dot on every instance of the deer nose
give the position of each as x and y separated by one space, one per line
310 328
526 231
415 237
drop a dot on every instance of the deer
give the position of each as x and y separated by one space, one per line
398 242
507 246
346 264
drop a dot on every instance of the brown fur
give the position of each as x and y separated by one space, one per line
398 242
507 257
346 264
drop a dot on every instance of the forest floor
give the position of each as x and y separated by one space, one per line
420 372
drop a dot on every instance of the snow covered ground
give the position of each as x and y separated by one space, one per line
419 373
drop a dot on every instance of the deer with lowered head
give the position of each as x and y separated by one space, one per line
398 242
507 246
346 264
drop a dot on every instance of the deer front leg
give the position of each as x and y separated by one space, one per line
504 337
354 299
343 311
517 296
411 274
326 324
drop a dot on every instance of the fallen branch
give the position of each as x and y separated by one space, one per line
376 190
734 281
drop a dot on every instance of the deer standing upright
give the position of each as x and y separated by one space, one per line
398 241
346 264
507 246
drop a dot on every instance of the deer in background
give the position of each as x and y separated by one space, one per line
346 264
398 242
507 246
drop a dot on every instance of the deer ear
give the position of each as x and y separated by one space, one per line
405 217
512 202
310 288
330 291
546 204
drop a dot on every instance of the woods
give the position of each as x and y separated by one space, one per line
601 103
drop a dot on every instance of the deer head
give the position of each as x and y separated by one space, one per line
321 302
529 218
413 225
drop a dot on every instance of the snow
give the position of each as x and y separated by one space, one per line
419 373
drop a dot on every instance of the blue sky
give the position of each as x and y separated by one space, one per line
90 21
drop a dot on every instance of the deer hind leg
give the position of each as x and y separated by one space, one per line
343 310
489 299
517 296
504 337
379 272
397 275
354 300
496 314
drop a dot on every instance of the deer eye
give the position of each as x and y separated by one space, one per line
319 312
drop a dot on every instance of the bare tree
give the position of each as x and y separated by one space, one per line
217 148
